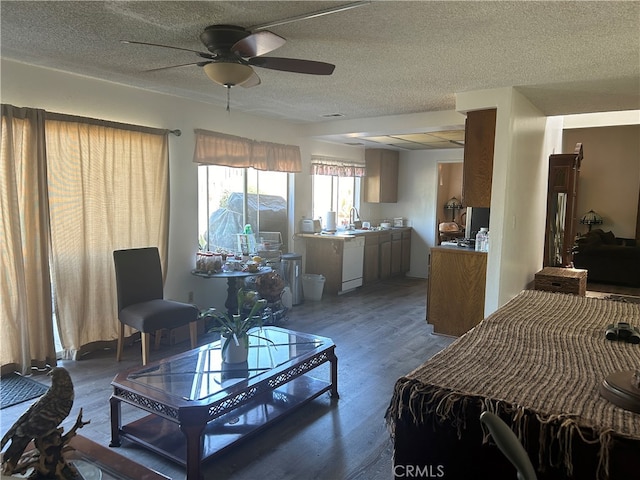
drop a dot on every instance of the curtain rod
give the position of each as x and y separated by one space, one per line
176 132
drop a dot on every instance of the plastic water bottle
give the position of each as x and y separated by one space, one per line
482 240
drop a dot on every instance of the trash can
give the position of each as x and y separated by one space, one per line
291 269
313 286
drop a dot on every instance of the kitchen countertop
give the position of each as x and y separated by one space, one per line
342 234
456 248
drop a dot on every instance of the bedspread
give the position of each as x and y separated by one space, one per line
538 362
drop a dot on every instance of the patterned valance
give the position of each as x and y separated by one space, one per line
214 148
336 167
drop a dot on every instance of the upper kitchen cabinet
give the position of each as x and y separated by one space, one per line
381 179
480 132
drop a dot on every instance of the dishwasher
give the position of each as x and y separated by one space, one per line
352 263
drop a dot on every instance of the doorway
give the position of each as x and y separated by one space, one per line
449 187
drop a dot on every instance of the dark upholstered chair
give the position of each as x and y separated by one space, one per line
141 303
509 445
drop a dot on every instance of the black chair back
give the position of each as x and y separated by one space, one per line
138 276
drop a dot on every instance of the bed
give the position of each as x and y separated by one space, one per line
538 362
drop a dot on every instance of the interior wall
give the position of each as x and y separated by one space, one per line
417 199
609 180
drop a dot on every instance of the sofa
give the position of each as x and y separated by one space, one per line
607 258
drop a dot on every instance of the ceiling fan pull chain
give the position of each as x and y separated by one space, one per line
228 97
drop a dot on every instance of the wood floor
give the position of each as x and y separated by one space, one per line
380 333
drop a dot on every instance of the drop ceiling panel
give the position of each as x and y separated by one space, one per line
421 141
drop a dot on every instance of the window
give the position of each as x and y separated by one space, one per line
333 193
230 198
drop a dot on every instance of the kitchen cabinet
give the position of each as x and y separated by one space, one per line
371 269
479 140
385 255
396 253
456 291
405 262
324 257
381 179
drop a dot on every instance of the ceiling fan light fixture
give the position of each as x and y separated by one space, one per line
228 74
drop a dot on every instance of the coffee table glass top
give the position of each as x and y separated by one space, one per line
200 373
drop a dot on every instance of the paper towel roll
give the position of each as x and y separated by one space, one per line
331 222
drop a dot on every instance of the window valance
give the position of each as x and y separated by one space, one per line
336 167
213 148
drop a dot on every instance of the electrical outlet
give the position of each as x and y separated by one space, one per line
190 297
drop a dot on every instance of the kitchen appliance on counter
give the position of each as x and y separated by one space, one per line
399 222
308 225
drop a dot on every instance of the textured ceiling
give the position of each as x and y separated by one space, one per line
391 57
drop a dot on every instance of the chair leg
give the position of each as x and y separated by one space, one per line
156 344
120 342
145 347
193 333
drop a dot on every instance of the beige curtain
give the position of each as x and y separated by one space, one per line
336 167
108 189
215 148
26 328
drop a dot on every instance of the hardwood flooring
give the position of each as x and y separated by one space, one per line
380 334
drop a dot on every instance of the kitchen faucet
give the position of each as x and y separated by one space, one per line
353 214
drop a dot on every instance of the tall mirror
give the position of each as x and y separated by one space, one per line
562 194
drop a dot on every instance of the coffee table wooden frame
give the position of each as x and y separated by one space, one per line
279 390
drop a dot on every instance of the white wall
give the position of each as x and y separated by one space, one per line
609 175
417 200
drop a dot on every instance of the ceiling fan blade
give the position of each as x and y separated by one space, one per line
293 65
258 44
199 64
206 55
254 81
307 16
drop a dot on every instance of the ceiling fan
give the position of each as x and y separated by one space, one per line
233 51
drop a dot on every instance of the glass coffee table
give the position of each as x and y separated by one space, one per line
197 405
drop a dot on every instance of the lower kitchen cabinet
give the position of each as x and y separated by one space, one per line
385 255
396 253
324 257
456 292
405 261
371 269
